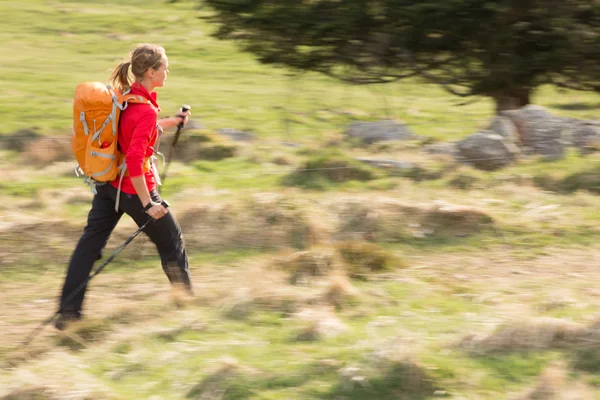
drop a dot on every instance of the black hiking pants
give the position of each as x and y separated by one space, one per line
165 233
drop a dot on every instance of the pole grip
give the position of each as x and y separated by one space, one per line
184 108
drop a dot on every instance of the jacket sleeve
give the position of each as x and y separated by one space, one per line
140 139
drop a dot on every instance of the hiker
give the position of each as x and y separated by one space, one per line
135 192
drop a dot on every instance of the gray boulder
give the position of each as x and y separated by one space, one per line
540 132
487 150
585 136
236 135
448 148
392 164
504 127
372 132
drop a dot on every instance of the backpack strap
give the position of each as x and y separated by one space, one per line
132 98
122 102
122 167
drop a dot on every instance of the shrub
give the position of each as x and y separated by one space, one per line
323 169
363 258
201 145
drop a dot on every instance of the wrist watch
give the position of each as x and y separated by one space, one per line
150 205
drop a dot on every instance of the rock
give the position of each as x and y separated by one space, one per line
291 144
487 151
387 163
441 148
539 131
504 127
372 132
586 136
236 135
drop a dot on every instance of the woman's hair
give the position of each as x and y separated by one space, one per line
144 57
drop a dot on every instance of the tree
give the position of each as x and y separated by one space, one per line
503 49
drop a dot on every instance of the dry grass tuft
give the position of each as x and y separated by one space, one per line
460 220
262 289
551 383
540 333
264 221
390 220
34 241
202 144
29 393
303 266
45 151
81 334
409 378
318 324
339 292
19 139
217 382
15 358
554 384
67 380
535 334
363 258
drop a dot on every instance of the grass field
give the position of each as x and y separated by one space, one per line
438 282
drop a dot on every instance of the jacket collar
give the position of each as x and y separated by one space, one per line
138 89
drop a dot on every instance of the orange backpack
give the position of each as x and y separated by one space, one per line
96 111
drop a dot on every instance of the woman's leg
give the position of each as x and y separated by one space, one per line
102 219
166 235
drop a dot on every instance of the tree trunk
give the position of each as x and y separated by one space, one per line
512 99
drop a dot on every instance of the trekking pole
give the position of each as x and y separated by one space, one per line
71 296
184 108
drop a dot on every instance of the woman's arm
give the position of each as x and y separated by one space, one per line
135 157
139 183
157 211
170 122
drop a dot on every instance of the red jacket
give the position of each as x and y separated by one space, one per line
137 136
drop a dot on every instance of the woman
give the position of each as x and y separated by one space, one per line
139 128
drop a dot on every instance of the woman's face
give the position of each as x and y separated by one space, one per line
159 76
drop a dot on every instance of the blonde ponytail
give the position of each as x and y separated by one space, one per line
120 76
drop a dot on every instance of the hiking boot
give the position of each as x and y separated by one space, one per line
178 277
65 318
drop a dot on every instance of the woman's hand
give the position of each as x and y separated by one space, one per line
182 117
155 210
170 122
